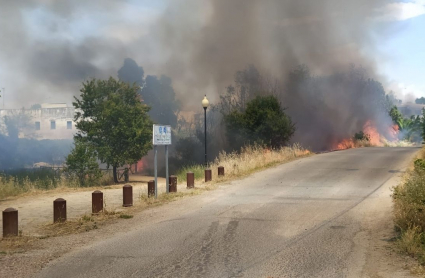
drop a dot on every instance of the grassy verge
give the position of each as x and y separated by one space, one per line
409 211
251 159
19 183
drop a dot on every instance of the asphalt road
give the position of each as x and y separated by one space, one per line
300 219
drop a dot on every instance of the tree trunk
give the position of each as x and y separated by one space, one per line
114 170
126 170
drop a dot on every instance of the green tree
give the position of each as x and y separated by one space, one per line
397 117
263 122
420 100
113 120
82 164
412 128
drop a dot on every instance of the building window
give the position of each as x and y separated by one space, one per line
68 125
52 125
37 125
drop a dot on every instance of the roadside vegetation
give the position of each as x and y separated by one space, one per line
251 159
24 181
409 210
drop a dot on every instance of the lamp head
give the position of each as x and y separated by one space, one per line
205 102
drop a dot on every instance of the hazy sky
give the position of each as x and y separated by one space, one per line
47 49
405 50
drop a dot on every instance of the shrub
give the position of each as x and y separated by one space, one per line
82 164
263 122
361 136
419 165
409 211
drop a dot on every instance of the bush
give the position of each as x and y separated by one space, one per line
82 164
361 136
263 122
409 202
419 165
409 211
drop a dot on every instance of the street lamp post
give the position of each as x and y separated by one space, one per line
205 104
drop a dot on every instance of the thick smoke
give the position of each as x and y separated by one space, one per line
207 43
200 44
335 39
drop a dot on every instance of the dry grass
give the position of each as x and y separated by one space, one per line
400 143
250 160
83 224
409 212
17 244
9 188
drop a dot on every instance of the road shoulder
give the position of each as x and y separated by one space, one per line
374 253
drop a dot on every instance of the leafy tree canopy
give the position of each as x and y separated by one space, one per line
112 119
82 164
263 121
396 116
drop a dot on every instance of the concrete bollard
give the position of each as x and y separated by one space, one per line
97 201
208 175
127 193
59 210
10 222
151 188
172 181
190 178
221 171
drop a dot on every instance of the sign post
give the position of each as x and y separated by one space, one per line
161 136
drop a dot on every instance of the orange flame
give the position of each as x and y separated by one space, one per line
140 165
345 144
375 139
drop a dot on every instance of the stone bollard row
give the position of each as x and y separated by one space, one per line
10 215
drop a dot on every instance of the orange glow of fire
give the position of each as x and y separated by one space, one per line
393 132
140 165
345 144
375 139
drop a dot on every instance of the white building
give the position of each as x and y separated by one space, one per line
50 121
